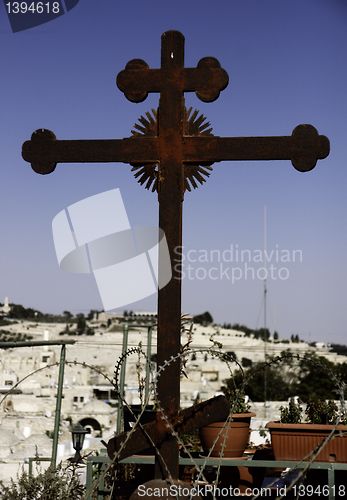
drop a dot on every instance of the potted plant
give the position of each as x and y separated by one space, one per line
229 438
294 439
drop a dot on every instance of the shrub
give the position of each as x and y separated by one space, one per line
60 483
321 412
291 414
318 411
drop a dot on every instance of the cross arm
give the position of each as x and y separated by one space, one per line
304 147
44 151
208 79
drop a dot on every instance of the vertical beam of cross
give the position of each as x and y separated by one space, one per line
172 80
170 195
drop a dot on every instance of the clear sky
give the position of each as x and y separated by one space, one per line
286 61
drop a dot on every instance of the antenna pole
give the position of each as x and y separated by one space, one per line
265 310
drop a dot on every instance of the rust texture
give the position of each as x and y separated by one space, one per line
173 150
189 419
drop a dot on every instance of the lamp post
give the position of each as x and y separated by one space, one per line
78 434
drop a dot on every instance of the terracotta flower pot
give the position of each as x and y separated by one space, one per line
297 441
231 441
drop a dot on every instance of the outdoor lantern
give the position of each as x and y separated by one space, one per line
78 434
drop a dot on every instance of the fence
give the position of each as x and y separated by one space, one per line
96 466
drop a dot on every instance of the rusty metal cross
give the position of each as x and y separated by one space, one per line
173 150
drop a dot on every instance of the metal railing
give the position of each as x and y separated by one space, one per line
32 460
98 491
57 417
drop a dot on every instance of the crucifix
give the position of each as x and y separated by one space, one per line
171 151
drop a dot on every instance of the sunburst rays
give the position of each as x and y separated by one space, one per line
147 174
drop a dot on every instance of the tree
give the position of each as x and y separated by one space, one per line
246 362
67 315
339 349
278 387
81 324
20 312
231 355
308 377
317 378
253 382
203 319
342 375
264 333
242 328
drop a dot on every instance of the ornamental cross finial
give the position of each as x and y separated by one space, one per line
208 79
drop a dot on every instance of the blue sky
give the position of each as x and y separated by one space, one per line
286 62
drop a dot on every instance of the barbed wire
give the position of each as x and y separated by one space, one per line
228 359
285 357
137 419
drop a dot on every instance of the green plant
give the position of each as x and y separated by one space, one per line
318 411
234 389
60 483
191 440
291 414
237 399
238 402
321 412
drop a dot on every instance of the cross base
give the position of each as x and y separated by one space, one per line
157 431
